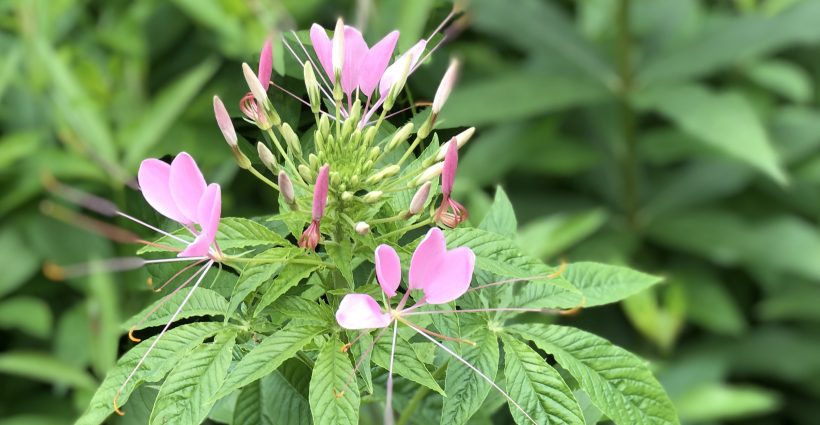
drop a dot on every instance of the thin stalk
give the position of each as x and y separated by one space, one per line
264 179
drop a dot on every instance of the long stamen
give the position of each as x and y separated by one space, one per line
388 402
202 272
502 309
291 94
164 299
436 334
318 70
107 230
552 275
58 273
480 373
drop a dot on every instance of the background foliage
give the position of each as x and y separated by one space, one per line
678 137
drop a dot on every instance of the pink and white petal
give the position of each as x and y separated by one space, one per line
200 247
452 279
323 48
210 209
355 52
361 311
187 186
388 269
265 64
375 63
448 173
427 258
153 178
393 72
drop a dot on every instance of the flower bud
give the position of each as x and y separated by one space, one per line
461 140
324 126
446 86
286 188
313 161
224 122
397 87
347 196
312 86
265 64
304 171
370 135
291 139
374 153
385 172
429 174
400 136
419 199
260 95
362 228
266 156
338 50
373 196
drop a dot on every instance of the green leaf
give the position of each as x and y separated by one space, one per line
186 395
268 355
604 284
466 390
784 78
288 277
501 216
165 110
236 232
516 96
617 382
406 361
259 272
659 320
203 302
169 350
537 387
724 121
306 310
277 399
551 235
332 400
342 255
43 367
29 315
721 402
18 268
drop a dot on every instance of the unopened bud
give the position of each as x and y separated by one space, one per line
419 199
224 122
426 127
313 161
400 136
362 228
324 126
338 50
266 156
312 86
397 87
286 188
261 96
370 134
389 171
347 196
304 171
429 174
373 196
461 140
291 139
446 86
374 153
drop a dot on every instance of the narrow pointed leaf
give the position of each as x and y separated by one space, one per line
465 389
204 302
332 400
406 362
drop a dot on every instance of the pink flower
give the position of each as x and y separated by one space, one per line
450 213
179 192
441 275
312 235
265 64
362 67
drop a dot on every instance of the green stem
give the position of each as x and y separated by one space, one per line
408 228
418 397
264 179
629 160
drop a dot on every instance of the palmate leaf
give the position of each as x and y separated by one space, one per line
174 345
287 278
280 398
332 400
203 302
537 387
258 272
268 355
465 389
406 362
186 395
617 382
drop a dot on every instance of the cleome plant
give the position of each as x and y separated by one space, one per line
301 316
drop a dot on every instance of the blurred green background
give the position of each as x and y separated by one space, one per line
680 137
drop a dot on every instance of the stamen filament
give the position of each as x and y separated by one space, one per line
436 334
388 402
154 228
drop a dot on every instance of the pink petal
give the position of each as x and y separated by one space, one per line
200 247
323 48
448 173
355 52
426 258
360 311
393 72
375 63
187 185
452 277
265 64
320 193
153 178
388 269
209 209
